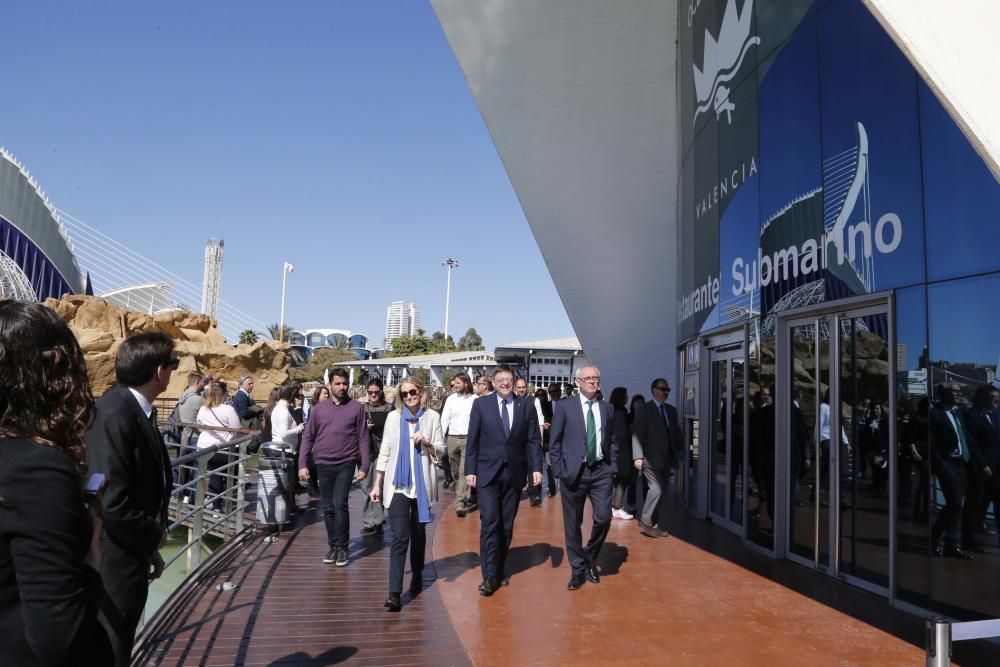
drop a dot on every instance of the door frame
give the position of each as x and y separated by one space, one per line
858 306
733 343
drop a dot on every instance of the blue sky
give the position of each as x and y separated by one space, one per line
339 136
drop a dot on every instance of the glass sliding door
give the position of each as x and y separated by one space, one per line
839 429
726 469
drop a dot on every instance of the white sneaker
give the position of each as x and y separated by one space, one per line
622 514
616 514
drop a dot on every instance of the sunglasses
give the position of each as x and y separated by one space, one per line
667 389
374 393
409 394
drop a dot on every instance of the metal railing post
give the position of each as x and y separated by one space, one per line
241 478
938 642
196 531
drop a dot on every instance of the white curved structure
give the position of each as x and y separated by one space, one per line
14 285
580 99
32 234
151 298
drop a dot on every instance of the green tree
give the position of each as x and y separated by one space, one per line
470 341
248 337
320 361
274 329
441 344
408 346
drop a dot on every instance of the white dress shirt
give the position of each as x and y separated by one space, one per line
284 430
510 408
144 405
456 413
597 420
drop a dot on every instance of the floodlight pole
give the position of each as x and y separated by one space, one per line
451 264
285 270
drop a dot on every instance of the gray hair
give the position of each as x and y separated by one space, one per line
244 378
578 373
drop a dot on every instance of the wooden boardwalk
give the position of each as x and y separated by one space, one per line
289 608
699 597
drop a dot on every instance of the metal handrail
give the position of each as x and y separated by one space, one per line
193 503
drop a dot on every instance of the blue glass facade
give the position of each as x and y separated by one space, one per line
818 166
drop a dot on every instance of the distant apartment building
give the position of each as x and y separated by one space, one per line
401 319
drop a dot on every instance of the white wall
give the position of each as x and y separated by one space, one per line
580 99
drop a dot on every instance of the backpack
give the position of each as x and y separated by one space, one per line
173 431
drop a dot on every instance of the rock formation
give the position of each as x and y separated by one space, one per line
100 327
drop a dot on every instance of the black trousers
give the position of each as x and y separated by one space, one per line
334 488
950 474
407 533
126 584
595 482
498 503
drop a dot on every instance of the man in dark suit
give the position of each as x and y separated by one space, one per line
125 444
656 446
982 426
585 456
243 402
950 452
503 443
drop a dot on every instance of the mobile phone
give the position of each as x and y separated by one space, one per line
95 488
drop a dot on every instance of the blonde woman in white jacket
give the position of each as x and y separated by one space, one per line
412 443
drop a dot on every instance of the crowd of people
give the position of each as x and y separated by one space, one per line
85 484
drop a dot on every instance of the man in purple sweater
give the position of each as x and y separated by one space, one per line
334 434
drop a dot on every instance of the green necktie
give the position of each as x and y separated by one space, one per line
591 434
961 436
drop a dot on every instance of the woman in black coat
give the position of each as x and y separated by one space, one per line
623 436
50 588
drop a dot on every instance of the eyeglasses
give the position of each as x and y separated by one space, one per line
409 394
663 389
503 382
590 379
374 393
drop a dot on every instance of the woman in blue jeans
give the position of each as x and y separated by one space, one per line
411 444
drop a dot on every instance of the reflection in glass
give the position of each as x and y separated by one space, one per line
760 446
736 442
802 530
963 353
864 415
719 471
912 407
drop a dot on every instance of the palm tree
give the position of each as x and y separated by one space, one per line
273 330
248 337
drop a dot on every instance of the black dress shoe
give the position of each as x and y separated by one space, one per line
505 580
392 603
488 587
575 581
955 552
592 574
416 586
551 494
939 551
535 501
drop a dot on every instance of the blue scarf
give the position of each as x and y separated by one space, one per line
403 477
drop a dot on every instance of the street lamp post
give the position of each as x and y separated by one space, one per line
285 270
451 264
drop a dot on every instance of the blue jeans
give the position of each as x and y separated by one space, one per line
334 488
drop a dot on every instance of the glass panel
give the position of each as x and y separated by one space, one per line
719 472
864 414
963 359
913 573
760 446
693 456
802 367
736 442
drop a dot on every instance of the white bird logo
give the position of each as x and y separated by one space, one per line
722 60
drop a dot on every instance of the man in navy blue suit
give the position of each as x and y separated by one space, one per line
585 457
503 443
